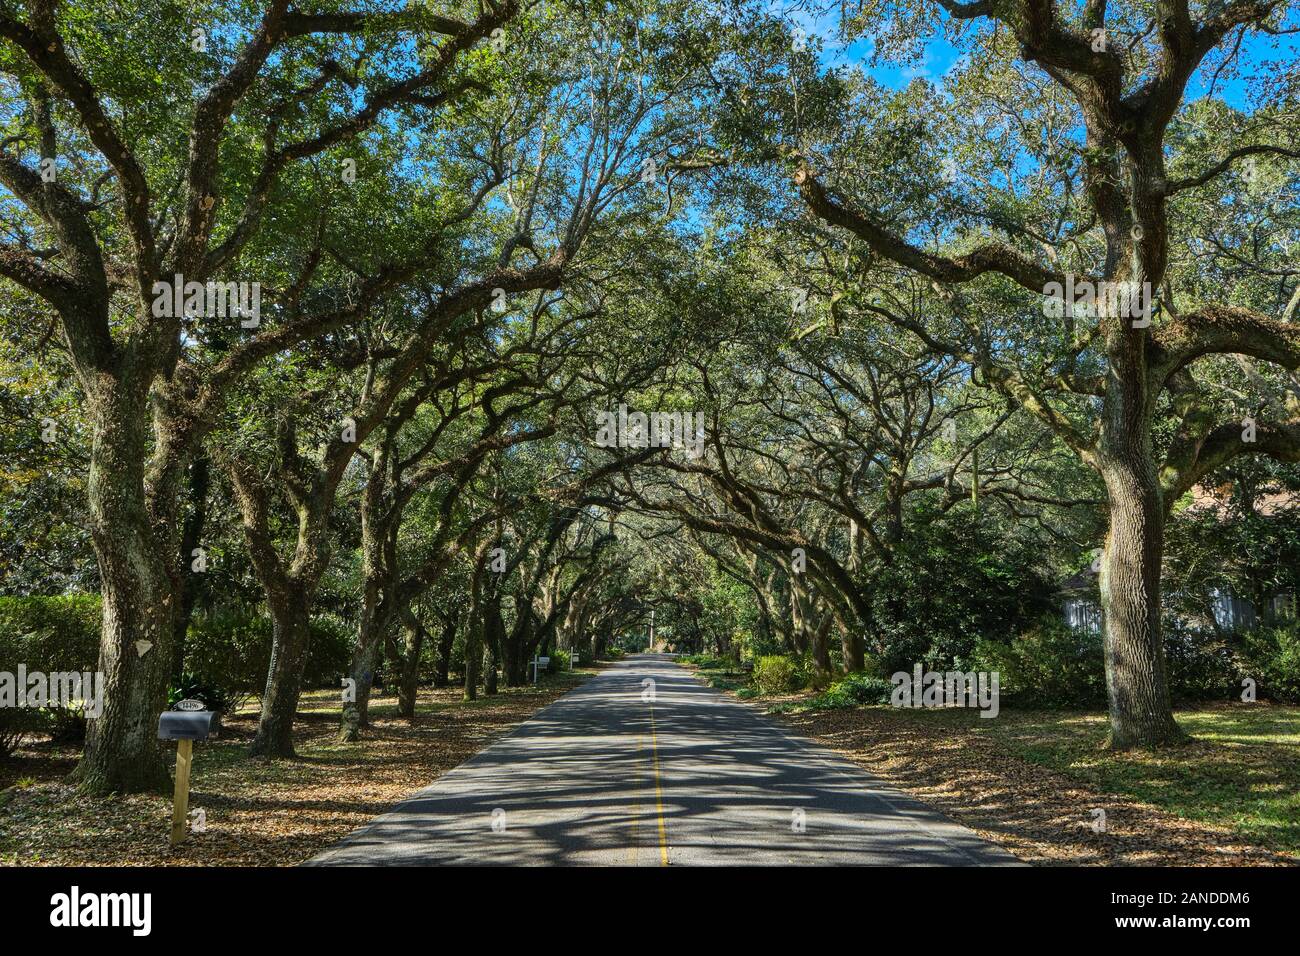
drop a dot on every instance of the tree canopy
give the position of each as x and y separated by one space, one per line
486 328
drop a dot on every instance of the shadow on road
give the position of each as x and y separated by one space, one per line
605 775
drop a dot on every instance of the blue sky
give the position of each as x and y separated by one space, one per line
938 56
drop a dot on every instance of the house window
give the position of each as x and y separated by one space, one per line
1284 606
1231 613
1083 615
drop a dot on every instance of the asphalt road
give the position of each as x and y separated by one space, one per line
607 776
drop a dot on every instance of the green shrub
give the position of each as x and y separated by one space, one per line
777 674
192 687
47 634
951 582
228 651
65 725
559 662
1272 658
50 633
853 690
17 723
1050 665
860 688
1201 665
330 655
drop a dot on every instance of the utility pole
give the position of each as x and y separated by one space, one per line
652 629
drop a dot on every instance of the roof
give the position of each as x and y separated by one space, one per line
1268 503
1085 580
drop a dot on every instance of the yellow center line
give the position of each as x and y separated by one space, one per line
636 797
659 792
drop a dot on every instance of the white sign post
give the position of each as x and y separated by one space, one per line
537 664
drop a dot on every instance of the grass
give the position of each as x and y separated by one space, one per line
1241 771
259 812
1235 786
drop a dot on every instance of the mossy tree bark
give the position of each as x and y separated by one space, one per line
122 749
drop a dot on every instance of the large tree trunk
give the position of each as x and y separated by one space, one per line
408 686
514 667
375 620
1136 685
188 584
539 640
798 615
446 641
290 640
821 656
494 636
474 640
473 658
807 635
372 627
474 635
122 750
853 648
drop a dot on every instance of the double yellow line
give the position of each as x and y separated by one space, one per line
659 794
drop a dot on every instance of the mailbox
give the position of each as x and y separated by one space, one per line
187 725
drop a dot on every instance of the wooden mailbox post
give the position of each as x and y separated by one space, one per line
184 725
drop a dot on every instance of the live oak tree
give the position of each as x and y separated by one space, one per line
116 200
831 440
1093 102
310 481
434 493
455 430
570 172
207 150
